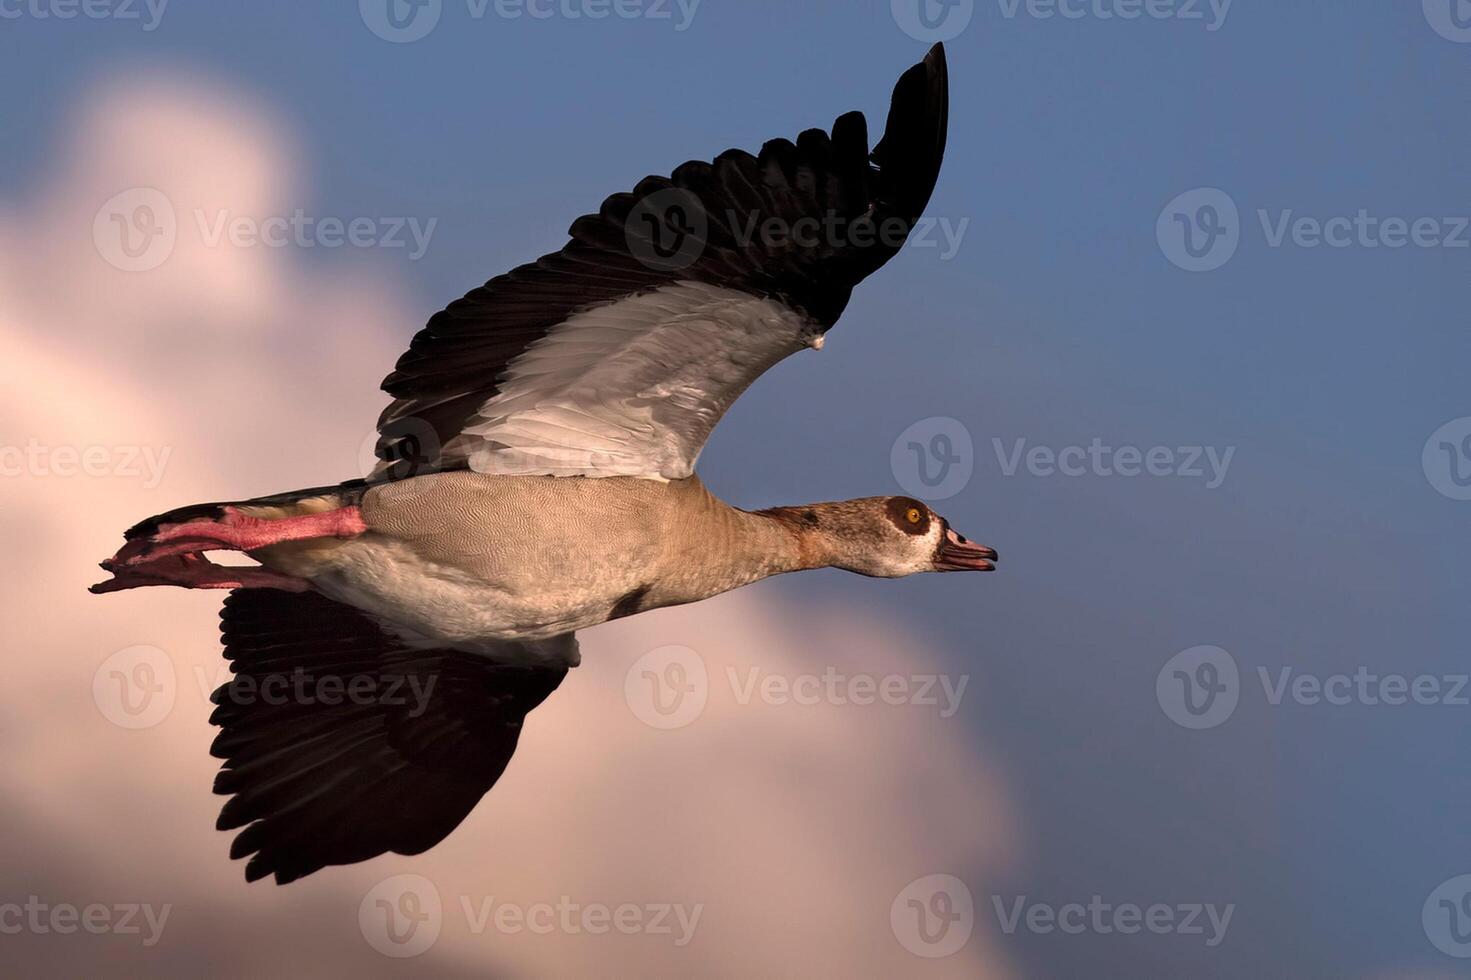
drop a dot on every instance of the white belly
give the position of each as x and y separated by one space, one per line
437 606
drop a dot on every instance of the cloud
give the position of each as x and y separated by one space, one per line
793 826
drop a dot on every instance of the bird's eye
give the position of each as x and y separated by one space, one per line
912 515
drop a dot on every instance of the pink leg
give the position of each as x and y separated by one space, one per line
173 554
237 532
197 572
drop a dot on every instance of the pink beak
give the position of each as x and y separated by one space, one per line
956 554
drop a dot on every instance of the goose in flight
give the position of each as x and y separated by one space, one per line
536 477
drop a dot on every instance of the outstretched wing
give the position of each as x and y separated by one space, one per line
618 354
341 743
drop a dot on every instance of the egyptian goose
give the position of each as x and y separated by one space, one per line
536 477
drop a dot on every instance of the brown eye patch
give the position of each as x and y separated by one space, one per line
908 515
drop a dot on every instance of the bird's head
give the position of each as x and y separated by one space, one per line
886 537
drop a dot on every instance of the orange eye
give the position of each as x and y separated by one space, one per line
912 515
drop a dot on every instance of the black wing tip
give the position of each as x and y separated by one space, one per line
912 147
256 869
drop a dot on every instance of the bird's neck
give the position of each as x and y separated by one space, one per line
718 547
799 537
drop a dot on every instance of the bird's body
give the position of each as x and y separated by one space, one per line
536 478
563 554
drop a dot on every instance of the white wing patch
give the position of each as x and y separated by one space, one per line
632 388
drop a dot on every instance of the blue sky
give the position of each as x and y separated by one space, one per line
1059 320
